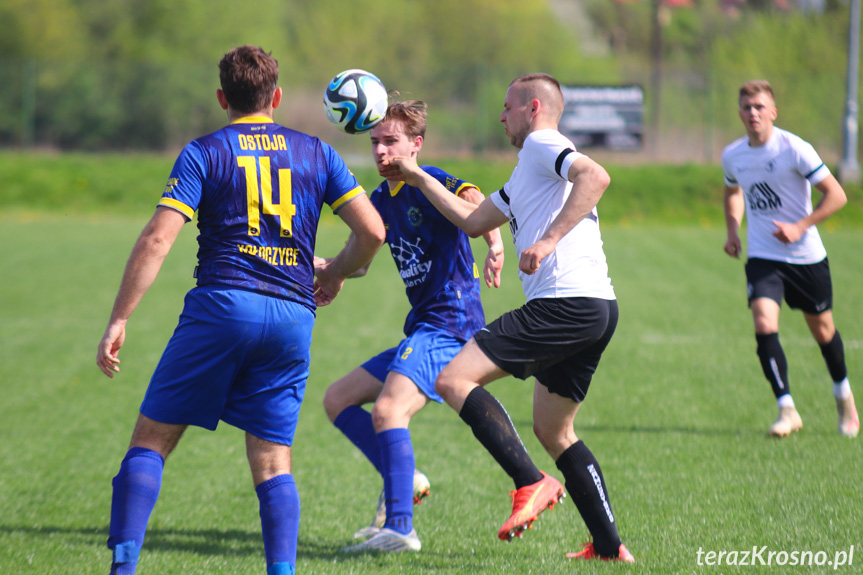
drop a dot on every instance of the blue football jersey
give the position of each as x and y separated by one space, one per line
433 257
258 188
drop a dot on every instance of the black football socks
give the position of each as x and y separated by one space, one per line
834 356
585 484
773 362
492 426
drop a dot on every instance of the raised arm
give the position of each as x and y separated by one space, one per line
734 208
367 236
589 182
144 263
494 258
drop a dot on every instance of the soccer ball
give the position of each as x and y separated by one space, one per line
355 101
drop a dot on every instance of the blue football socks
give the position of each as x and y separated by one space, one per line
280 522
136 489
281 569
397 462
356 423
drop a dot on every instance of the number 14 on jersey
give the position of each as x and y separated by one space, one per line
259 198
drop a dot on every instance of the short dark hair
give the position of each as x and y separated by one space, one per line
543 86
546 79
754 87
249 77
412 114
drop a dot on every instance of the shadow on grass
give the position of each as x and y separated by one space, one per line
228 543
664 429
580 426
744 432
204 541
524 423
236 543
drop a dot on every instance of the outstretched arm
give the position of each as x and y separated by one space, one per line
589 182
474 220
734 208
141 270
367 236
494 258
834 199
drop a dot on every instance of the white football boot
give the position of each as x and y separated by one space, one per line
849 422
422 488
389 541
788 422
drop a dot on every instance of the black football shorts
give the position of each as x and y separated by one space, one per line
557 340
806 287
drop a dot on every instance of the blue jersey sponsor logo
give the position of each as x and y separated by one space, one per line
415 216
434 259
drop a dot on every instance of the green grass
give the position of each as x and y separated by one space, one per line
94 184
677 417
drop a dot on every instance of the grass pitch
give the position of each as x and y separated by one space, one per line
677 417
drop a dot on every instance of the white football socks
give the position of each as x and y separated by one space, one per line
785 400
841 389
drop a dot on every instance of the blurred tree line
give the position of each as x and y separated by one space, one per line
142 74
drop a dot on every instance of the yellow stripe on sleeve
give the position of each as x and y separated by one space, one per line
179 206
466 185
347 197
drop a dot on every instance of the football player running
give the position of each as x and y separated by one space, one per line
769 175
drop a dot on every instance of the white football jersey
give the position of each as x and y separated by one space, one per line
776 180
531 199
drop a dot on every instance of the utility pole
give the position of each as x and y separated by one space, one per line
28 105
656 74
849 168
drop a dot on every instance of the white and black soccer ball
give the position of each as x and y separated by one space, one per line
355 101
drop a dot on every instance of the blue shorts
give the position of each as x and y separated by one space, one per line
238 356
420 357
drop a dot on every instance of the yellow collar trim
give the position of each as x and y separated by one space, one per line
253 120
395 190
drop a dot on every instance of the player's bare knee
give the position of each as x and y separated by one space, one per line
445 385
544 435
156 436
554 440
266 458
382 414
442 389
764 326
334 403
824 334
